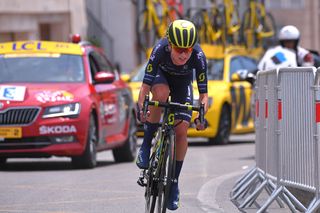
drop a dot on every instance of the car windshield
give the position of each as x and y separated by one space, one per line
41 68
215 69
139 74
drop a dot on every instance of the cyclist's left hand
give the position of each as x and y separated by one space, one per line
200 126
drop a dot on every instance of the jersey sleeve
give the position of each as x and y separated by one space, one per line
201 72
153 63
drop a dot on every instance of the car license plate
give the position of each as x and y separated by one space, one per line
10 132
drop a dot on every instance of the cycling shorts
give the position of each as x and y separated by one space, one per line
181 91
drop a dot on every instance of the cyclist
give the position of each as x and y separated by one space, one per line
280 56
170 71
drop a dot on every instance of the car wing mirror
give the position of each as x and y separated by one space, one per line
104 77
125 77
239 75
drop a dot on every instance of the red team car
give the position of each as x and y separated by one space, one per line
63 99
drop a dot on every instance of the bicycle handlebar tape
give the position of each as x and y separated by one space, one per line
201 113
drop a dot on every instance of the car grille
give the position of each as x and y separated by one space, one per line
18 116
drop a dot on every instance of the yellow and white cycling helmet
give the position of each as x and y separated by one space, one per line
182 34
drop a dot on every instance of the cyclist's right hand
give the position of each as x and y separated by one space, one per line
200 126
140 115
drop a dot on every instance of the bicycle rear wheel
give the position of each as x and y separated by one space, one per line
262 33
247 30
166 173
269 31
146 31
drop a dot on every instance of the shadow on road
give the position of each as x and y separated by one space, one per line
231 142
45 166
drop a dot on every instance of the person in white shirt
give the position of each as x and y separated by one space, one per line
288 53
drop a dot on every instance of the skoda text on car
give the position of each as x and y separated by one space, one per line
229 92
63 99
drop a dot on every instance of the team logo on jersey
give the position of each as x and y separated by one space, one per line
149 68
171 119
202 77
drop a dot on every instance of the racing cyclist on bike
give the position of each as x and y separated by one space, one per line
170 71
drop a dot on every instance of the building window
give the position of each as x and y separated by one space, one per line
285 4
45 32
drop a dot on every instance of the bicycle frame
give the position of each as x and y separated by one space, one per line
160 24
230 11
257 25
208 33
232 22
153 20
161 170
259 8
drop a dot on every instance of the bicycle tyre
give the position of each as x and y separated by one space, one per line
146 37
198 21
151 188
247 34
217 21
167 173
270 25
233 37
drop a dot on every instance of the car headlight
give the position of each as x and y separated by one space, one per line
64 110
196 102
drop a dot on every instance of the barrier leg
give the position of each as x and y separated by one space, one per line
245 186
242 180
297 203
270 200
270 188
314 206
254 195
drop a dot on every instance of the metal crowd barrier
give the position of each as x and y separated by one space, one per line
287 140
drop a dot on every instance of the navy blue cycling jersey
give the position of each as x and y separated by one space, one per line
161 59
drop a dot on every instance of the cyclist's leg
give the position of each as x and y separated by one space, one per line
182 93
160 92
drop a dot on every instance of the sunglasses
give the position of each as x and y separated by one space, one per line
182 50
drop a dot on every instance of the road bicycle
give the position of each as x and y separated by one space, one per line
258 26
231 22
160 174
153 20
208 21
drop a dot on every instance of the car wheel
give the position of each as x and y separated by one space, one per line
88 159
223 134
128 151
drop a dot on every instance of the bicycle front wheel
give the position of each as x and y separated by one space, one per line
268 34
248 36
167 172
151 191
